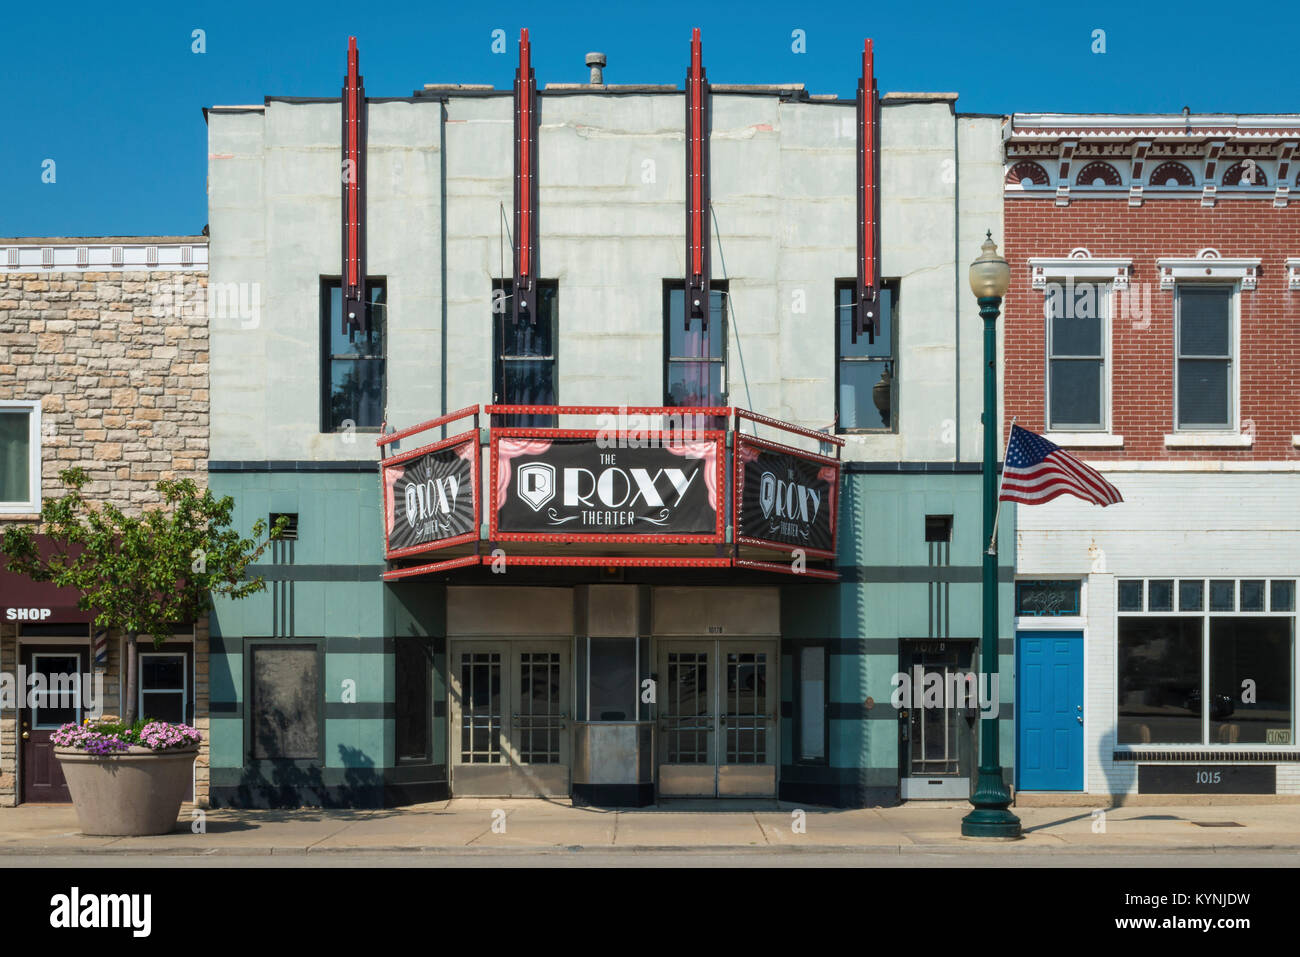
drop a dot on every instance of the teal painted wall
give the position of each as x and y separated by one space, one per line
895 585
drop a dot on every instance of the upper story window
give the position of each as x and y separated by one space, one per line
352 374
20 456
524 353
695 363
1205 394
866 372
1077 377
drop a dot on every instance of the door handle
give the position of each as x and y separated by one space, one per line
1079 718
26 735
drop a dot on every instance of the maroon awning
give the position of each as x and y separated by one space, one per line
25 601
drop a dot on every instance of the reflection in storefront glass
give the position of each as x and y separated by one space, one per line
1250 680
1159 680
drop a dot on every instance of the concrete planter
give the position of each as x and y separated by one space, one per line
135 792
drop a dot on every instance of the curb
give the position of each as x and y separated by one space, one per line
896 850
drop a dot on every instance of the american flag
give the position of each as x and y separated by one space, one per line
1036 471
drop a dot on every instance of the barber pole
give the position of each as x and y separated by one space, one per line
99 648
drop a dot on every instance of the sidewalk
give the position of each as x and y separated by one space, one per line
467 825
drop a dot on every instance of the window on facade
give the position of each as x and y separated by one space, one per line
285 702
866 372
413 698
695 368
812 704
1047 598
1224 676
1076 356
20 456
524 366
352 373
164 686
1205 380
938 528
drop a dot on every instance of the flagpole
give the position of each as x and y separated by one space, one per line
997 509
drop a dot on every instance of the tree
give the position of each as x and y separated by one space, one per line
141 575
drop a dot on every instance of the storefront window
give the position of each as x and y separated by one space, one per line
1164 696
1250 680
1159 680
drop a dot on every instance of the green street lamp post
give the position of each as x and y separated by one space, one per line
989 278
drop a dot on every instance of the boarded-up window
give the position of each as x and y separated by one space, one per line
286 701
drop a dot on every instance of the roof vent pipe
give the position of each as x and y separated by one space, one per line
597 63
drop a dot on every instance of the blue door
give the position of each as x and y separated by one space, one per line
1049 710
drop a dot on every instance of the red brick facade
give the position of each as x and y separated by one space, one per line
1142 351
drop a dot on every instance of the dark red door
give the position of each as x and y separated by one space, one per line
49 704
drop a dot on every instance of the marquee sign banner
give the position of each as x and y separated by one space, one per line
430 497
570 486
785 498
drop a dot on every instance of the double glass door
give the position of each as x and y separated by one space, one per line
510 718
716 703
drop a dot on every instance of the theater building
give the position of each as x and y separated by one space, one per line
629 435
103 365
1152 331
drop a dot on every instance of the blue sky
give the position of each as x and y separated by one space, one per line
113 94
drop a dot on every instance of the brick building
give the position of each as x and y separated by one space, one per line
1153 330
103 364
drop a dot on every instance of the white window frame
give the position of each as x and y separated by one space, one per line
1232 431
33 503
184 689
1102 436
1206 614
1110 275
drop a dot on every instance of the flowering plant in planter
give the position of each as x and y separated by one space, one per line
126 777
107 736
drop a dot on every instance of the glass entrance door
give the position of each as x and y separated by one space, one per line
717 718
510 713
937 739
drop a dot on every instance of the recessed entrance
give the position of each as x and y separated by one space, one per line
510 715
936 738
53 701
717 718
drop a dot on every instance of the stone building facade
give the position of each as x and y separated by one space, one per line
104 356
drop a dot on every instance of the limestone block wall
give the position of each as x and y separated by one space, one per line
118 360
